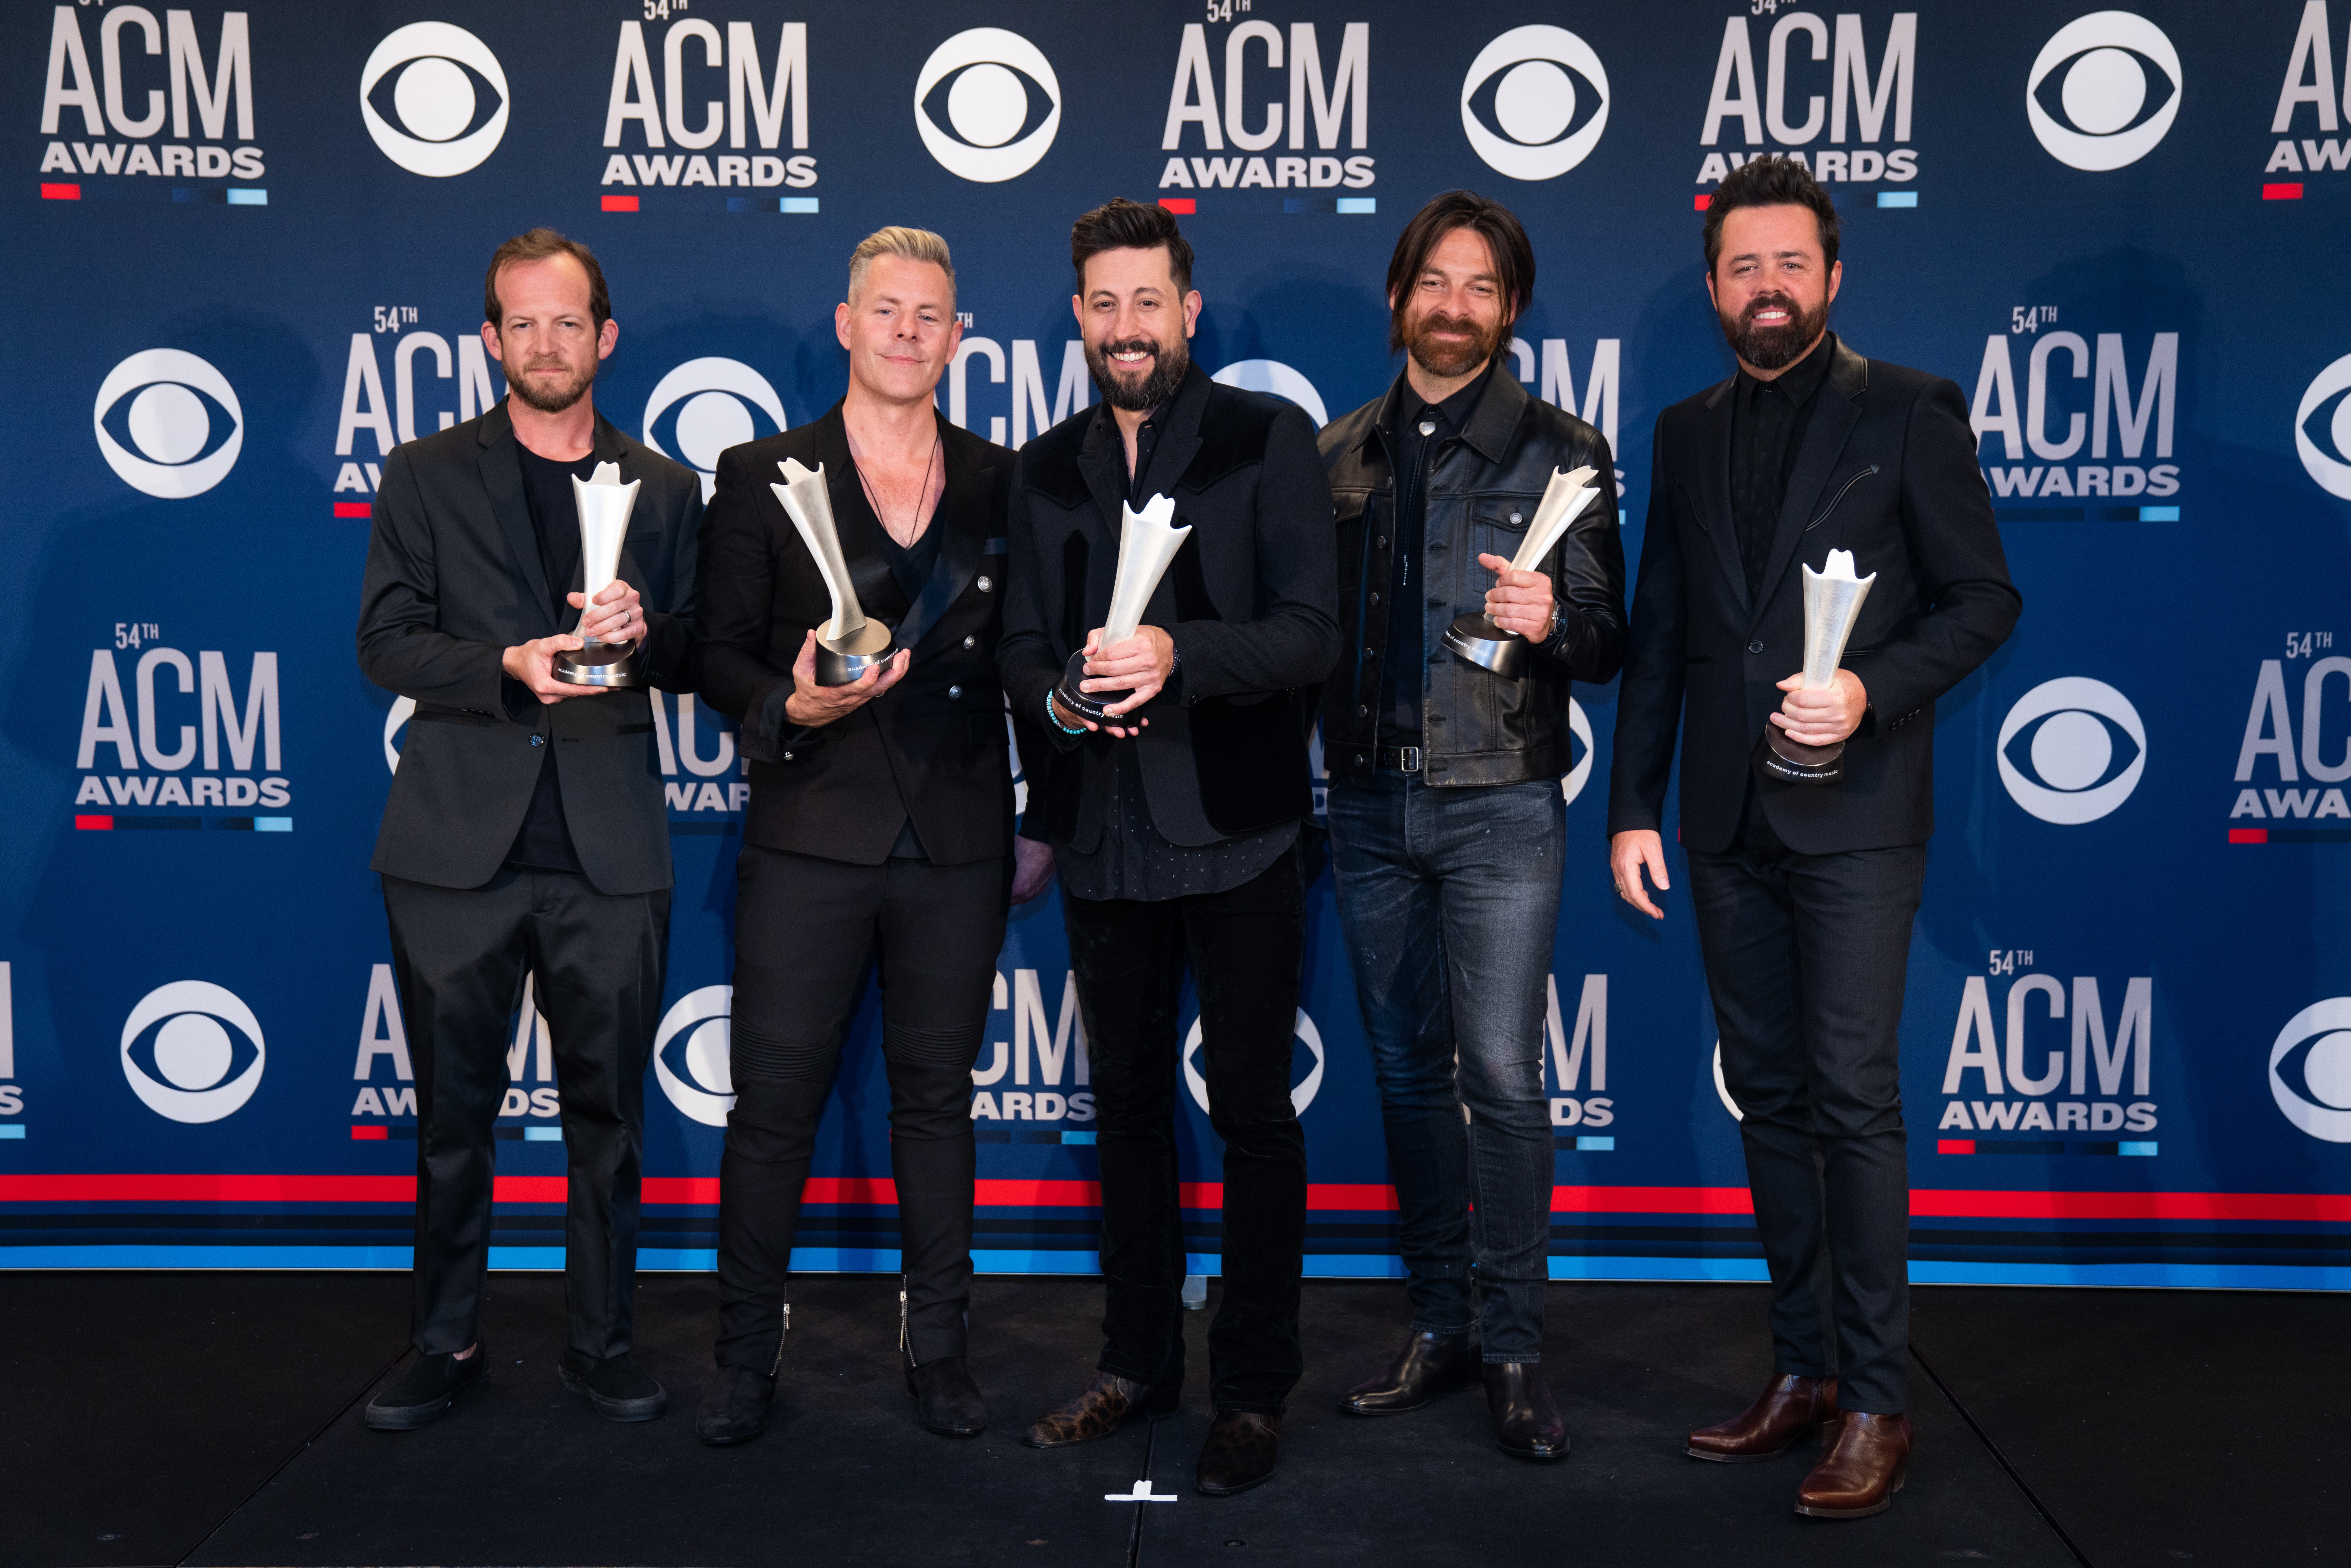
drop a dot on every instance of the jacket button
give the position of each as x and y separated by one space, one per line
1362 712
1375 599
969 644
536 740
1756 646
986 585
954 694
1370 652
1517 517
1382 542
1359 760
787 757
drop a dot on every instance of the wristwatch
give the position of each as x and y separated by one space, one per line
1558 619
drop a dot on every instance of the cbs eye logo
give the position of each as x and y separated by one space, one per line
169 424
192 1052
690 1054
1301 1092
2071 750
1521 107
2104 91
2310 1070
998 98
1281 381
2321 429
434 99
705 406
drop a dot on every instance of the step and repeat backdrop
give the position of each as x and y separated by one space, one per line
246 248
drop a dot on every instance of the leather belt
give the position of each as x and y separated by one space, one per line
1399 758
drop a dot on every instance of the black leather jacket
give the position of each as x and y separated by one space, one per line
1483 484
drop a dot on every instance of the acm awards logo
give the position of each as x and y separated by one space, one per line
987 105
151 78
697 68
168 423
1335 111
434 99
192 1052
2071 750
2310 1070
2104 91
1865 114
2310 79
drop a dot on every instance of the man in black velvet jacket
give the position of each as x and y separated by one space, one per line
1175 821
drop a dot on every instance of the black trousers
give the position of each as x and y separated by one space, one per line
1244 947
804 929
460 956
1806 956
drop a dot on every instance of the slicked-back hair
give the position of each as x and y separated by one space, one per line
539 244
909 245
1505 237
1122 224
1771 182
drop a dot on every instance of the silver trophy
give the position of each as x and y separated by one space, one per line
604 505
848 645
1832 601
1478 639
1147 546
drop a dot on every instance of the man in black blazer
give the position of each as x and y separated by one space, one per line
1804 895
526 832
1175 818
880 824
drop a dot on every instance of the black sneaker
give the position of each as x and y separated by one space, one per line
615 1384
425 1391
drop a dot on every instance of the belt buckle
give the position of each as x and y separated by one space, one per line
1408 758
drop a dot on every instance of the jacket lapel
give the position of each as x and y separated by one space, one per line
1714 484
501 472
1102 462
963 513
1835 411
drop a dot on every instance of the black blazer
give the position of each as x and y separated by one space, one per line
1250 602
936 739
453 580
1886 470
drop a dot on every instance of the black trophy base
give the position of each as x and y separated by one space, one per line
1092 706
841 660
1777 756
599 664
1487 646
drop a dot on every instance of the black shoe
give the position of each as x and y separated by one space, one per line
946 1401
425 1391
1240 1453
1429 1364
615 1384
1526 1422
735 1408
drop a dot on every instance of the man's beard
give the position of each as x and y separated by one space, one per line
554 399
1456 358
1170 362
1775 347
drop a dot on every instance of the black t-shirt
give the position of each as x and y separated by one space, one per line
545 842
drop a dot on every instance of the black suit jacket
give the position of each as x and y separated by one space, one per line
453 580
936 739
1886 470
1250 602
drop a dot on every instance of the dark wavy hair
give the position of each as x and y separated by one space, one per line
1771 182
1122 224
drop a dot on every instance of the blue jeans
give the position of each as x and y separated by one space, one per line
1448 899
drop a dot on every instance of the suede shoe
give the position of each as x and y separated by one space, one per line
735 1408
427 1390
615 1384
1527 1422
1429 1364
1240 1453
1789 1409
1108 1402
946 1400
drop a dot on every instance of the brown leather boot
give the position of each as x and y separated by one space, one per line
1106 1404
1868 1462
1240 1453
1788 1407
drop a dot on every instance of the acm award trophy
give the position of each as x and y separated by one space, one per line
604 505
848 645
1478 639
1145 547
1832 604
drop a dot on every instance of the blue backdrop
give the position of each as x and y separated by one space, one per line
246 247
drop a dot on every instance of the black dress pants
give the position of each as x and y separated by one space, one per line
1244 947
1806 958
804 929
460 956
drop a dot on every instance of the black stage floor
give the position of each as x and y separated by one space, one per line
214 1420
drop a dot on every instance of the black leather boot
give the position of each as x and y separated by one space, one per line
735 1408
1429 1364
1526 1421
946 1400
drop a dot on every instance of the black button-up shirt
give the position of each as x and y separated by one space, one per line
1767 430
544 842
1402 679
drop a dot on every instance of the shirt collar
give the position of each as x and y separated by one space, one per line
1799 380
